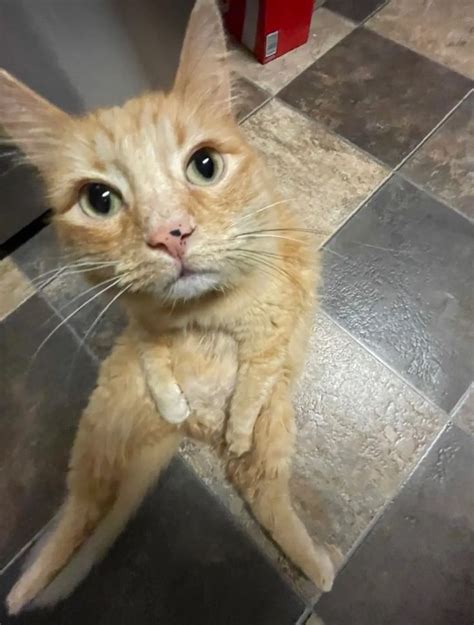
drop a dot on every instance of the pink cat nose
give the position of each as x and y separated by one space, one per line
172 237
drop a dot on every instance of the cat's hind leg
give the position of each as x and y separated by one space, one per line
262 478
120 449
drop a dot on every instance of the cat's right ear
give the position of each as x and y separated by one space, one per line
31 122
204 74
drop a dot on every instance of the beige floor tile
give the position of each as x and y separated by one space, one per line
15 287
439 29
361 431
323 175
327 29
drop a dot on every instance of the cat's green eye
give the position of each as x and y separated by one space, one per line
205 167
99 200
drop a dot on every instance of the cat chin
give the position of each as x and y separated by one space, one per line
193 286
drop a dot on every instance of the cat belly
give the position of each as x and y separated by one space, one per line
205 367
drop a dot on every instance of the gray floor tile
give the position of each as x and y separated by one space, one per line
356 10
39 408
21 196
42 255
399 276
376 93
444 164
415 567
182 560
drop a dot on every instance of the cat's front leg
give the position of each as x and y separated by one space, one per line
258 371
164 389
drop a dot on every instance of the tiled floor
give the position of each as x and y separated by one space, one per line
437 29
369 131
423 544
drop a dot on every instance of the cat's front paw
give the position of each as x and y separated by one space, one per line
172 404
238 441
20 595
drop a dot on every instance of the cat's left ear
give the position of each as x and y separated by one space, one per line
31 121
204 76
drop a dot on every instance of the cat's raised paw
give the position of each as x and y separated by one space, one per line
237 442
322 570
172 404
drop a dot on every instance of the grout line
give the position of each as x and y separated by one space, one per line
68 327
432 195
350 23
273 93
319 124
409 47
391 171
374 12
364 201
304 616
351 145
377 517
461 400
257 108
25 547
433 130
387 366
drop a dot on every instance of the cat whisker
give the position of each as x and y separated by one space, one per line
9 154
79 263
260 210
72 314
11 167
257 259
268 236
264 253
82 294
51 275
252 264
305 230
94 324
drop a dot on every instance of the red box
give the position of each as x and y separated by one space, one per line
268 28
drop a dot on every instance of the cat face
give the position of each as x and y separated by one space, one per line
164 190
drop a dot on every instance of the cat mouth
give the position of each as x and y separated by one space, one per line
192 283
185 272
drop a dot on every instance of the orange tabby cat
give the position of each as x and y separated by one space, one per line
164 199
